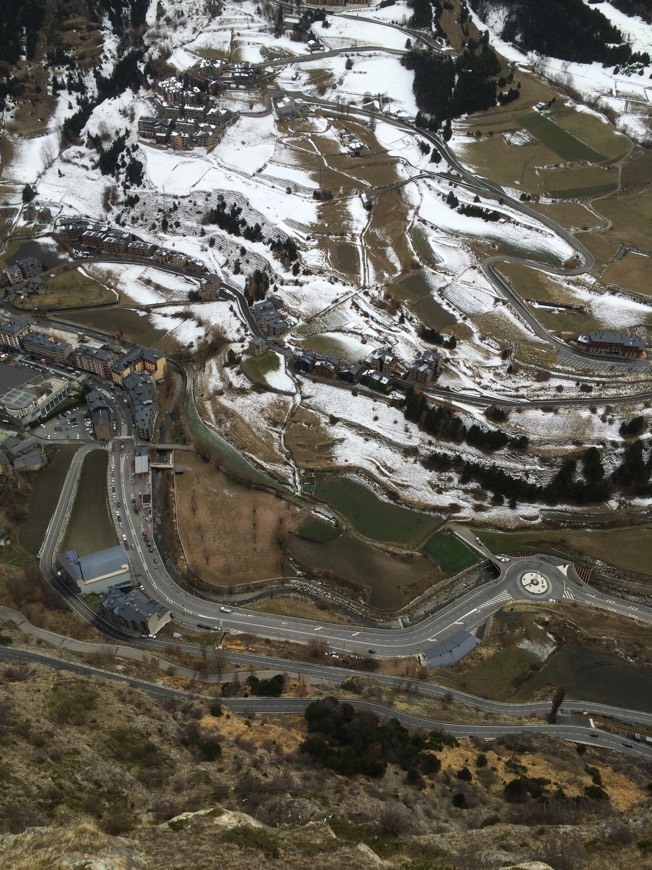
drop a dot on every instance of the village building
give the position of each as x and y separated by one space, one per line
425 369
45 345
12 331
612 344
98 408
257 346
134 611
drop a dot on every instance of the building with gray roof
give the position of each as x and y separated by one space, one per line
135 611
97 572
12 331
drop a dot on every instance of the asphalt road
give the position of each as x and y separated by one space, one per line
278 706
547 579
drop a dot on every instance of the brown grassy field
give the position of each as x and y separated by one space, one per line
534 284
631 216
634 272
601 246
70 289
124 322
558 181
309 440
230 534
572 215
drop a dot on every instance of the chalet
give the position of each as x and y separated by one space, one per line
148 125
377 381
29 267
194 111
180 141
257 346
186 125
170 110
381 360
267 316
210 286
326 366
425 369
71 228
219 117
351 372
206 135
303 360
612 344
14 275
238 75
116 243
137 248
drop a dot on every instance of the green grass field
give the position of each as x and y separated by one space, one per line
562 142
452 554
317 530
257 367
46 488
494 677
583 192
90 526
372 516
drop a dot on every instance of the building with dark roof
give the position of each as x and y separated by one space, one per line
425 369
141 391
135 611
43 344
30 266
97 572
100 414
97 360
140 359
612 344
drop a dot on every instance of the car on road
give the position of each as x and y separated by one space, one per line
372 652
628 745
225 609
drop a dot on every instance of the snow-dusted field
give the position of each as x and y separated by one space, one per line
268 168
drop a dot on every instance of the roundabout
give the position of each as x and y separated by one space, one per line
534 583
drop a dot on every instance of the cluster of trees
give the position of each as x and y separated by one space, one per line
432 336
445 88
472 210
20 24
354 742
286 250
256 286
442 422
642 8
126 74
267 688
230 220
567 29
567 486
125 15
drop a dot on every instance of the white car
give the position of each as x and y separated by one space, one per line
225 609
